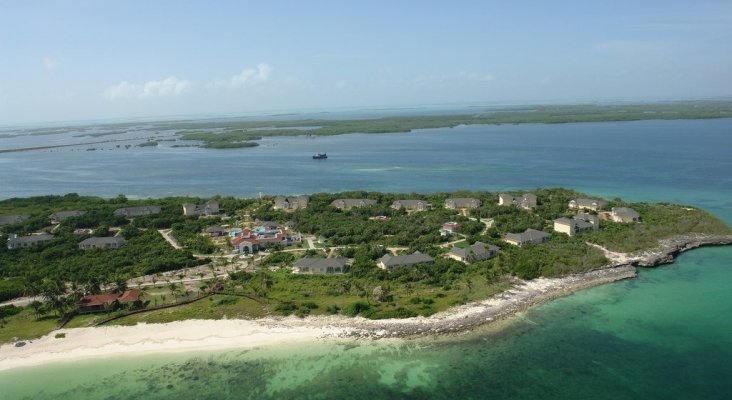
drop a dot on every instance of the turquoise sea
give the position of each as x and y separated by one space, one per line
665 335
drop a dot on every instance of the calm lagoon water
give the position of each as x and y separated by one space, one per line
665 335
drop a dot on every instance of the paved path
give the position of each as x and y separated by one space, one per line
169 238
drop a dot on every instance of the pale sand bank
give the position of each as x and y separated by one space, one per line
193 335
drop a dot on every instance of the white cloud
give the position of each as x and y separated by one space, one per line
49 63
247 77
170 86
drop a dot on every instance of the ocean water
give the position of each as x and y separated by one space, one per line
665 335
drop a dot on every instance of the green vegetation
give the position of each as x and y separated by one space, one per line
60 273
149 143
242 133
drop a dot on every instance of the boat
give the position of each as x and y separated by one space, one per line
320 156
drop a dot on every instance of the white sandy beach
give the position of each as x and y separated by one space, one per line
192 335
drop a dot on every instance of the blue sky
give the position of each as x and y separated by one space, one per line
77 60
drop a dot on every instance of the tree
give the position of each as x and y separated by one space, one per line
36 306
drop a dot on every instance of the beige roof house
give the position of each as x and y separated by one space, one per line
131 212
347 204
17 242
114 242
462 202
576 224
12 219
60 216
413 205
624 214
389 261
291 203
587 204
478 251
210 207
526 237
526 201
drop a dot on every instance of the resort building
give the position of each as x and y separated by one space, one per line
478 251
210 207
411 205
18 242
389 261
529 236
624 214
587 204
250 241
449 228
579 223
106 301
320 266
464 202
291 203
131 212
12 219
527 201
114 242
60 216
215 231
347 204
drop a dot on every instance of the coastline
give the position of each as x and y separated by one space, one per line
193 335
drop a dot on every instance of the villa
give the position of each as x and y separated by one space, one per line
478 251
526 201
411 205
388 261
17 242
215 231
529 236
347 204
252 240
465 202
291 203
624 214
131 212
448 228
114 242
60 216
106 301
320 266
579 223
12 219
210 207
587 204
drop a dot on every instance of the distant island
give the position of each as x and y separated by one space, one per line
78 261
233 134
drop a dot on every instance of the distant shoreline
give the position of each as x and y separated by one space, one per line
233 133
199 335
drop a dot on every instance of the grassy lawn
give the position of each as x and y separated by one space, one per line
25 326
212 307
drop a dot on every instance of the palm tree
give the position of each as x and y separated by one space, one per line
36 306
173 289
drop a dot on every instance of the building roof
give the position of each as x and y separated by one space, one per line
337 262
589 203
574 223
411 259
463 202
479 251
217 228
625 212
137 211
30 238
529 235
62 215
101 241
105 298
350 203
12 219
407 203
291 202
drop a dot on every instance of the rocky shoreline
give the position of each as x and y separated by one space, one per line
523 295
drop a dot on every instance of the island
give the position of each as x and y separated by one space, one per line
363 264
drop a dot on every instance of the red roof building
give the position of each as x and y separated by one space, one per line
106 301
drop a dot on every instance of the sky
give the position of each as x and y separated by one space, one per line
95 60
